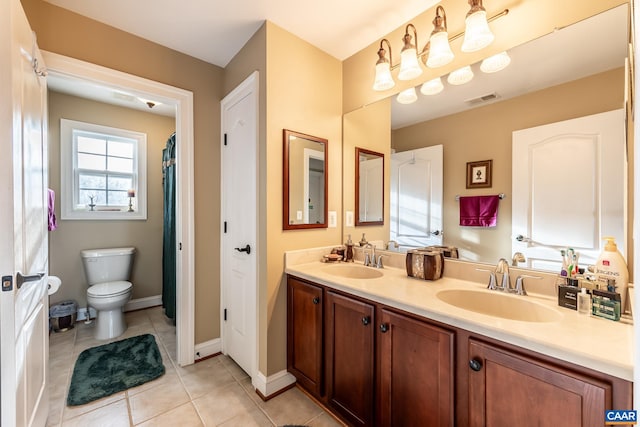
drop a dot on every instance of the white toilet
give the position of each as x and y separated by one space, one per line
108 272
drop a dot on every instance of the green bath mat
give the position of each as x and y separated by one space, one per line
107 369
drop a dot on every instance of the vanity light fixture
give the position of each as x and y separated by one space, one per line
383 79
437 52
432 87
477 34
460 76
495 63
409 66
440 53
407 96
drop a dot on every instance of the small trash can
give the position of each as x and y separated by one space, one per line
62 316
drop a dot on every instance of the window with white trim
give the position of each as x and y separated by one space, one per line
102 172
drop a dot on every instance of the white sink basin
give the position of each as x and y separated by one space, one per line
352 271
494 303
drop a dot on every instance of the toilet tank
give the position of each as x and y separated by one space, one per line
107 265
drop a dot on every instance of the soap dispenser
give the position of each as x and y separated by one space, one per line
363 241
349 251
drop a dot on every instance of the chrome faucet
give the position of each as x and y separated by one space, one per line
503 268
369 258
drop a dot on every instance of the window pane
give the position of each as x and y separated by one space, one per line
120 165
91 161
120 183
92 145
99 197
90 182
118 198
121 149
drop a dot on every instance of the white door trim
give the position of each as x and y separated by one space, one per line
249 87
183 102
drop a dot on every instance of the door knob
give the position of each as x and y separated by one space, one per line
316 300
384 327
436 233
246 249
366 320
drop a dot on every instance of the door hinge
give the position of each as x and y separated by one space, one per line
225 226
225 314
7 283
225 139
180 246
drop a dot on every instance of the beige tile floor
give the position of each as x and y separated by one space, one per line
214 392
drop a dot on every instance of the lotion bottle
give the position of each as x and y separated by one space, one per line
611 265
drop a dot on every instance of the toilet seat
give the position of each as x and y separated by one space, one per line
109 289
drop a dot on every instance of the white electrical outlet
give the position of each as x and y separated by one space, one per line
333 219
348 220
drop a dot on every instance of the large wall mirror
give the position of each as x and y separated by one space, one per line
369 189
570 73
305 181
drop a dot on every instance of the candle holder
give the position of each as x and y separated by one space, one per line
131 194
91 204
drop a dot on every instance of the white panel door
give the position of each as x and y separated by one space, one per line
23 251
239 249
569 186
416 197
371 177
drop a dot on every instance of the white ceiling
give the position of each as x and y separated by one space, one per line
567 54
215 30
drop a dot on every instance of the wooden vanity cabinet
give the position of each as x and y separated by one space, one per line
305 329
508 387
349 340
416 372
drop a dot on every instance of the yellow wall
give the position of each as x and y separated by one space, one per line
370 128
66 33
527 19
486 134
304 98
72 236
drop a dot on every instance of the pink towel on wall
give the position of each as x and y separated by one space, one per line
53 221
479 211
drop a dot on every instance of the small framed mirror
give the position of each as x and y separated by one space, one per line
369 187
304 181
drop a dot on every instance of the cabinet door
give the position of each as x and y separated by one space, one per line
509 389
416 380
350 355
304 334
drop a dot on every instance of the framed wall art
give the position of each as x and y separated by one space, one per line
479 174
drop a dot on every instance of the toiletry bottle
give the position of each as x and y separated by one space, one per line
611 265
584 302
349 252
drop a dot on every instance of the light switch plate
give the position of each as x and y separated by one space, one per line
348 220
299 215
333 219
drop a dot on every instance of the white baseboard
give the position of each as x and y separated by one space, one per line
140 303
276 382
208 348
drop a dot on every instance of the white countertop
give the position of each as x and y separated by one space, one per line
592 342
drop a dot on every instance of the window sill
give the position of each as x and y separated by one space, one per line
99 215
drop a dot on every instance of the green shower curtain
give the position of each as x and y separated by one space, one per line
169 228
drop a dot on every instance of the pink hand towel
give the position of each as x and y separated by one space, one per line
479 211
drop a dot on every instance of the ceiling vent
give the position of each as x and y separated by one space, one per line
482 99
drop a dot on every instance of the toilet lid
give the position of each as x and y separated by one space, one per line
109 289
